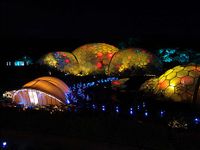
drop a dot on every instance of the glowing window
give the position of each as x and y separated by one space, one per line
19 63
8 63
33 97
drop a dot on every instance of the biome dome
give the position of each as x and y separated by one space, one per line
177 84
133 58
63 61
94 58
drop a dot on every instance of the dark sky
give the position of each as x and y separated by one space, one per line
98 21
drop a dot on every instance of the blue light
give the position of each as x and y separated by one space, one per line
117 109
162 113
161 51
146 114
174 55
103 108
143 105
87 98
19 63
197 120
68 102
4 144
93 106
138 107
131 111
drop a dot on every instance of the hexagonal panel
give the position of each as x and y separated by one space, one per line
182 73
168 72
178 68
163 75
171 75
163 85
190 68
175 81
187 80
162 79
169 91
194 73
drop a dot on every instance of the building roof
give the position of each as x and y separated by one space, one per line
49 85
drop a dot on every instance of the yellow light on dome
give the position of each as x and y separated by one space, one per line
177 83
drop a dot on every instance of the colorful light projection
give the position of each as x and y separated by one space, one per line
94 58
63 61
132 58
168 55
177 84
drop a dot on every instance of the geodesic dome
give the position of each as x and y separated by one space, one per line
94 58
133 58
63 61
177 84
42 91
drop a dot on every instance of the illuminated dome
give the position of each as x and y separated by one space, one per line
94 58
177 84
42 91
63 61
132 58
150 85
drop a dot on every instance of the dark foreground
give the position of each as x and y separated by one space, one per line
104 131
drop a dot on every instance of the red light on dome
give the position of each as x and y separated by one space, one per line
110 55
99 65
64 54
187 80
99 54
67 60
116 83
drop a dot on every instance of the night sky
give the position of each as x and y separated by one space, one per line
70 24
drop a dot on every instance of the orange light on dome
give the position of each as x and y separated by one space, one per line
99 55
163 85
